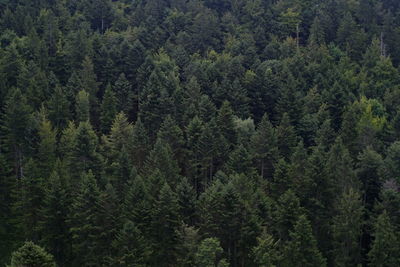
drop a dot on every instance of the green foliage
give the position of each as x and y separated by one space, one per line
385 250
208 254
201 133
31 255
302 247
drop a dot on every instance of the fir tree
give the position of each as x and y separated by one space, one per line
384 250
31 255
302 248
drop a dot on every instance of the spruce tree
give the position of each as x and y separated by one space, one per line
17 126
131 247
385 249
264 144
108 110
209 254
347 229
54 215
83 223
31 255
82 108
165 224
302 249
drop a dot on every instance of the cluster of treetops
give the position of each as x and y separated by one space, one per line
200 133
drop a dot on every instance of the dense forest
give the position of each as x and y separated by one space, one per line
205 133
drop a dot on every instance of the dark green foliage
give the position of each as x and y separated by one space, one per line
201 133
385 249
31 255
83 222
165 223
302 247
108 110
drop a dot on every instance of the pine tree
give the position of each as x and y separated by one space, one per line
286 136
187 201
83 222
84 155
209 254
264 144
108 110
137 205
171 134
302 250
123 95
161 158
82 108
17 126
165 224
46 154
91 86
140 144
347 228
156 100
385 250
108 221
131 247
31 255
54 214
266 253
287 213
58 107
28 196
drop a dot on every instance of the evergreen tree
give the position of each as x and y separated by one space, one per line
384 250
83 222
266 253
91 86
46 154
58 108
165 224
123 95
17 127
31 255
264 143
54 215
347 228
108 110
82 108
131 247
302 248
208 254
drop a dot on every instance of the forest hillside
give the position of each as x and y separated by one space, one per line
199 133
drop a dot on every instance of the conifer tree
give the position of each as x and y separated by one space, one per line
264 143
347 228
108 220
165 224
187 201
302 248
58 107
108 110
83 222
131 247
266 253
16 129
82 108
47 149
54 215
385 250
31 255
209 254
91 86
140 144
286 136
123 95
